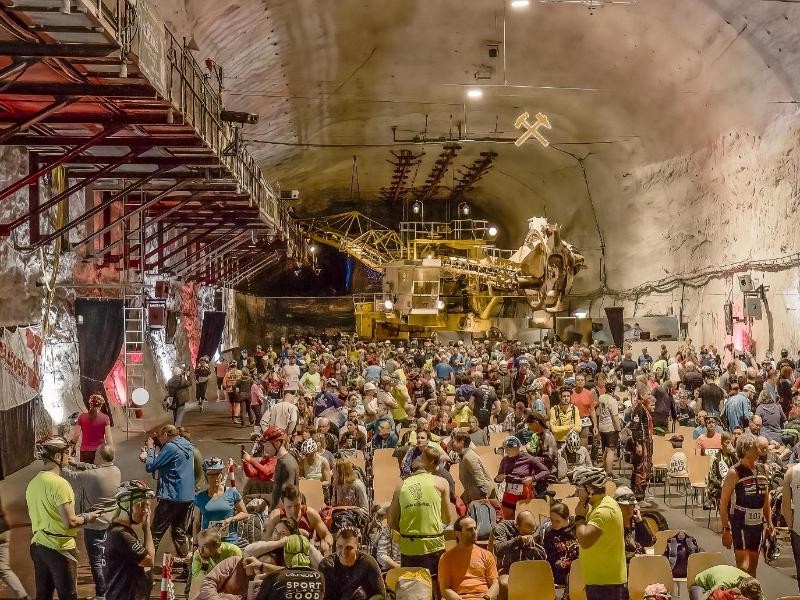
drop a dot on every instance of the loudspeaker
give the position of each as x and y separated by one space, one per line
745 283
752 306
156 316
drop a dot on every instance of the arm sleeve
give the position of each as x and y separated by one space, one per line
503 540
210 588
374 585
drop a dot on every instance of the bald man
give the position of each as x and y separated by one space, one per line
513 541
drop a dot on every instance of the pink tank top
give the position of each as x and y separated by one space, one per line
92 431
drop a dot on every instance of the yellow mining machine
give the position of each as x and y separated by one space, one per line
447 275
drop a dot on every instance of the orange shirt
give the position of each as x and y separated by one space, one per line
584 401
469 574
709 445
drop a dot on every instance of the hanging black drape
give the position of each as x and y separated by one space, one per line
101 332
211 333
616 324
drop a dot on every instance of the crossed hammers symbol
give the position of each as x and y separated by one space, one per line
532 129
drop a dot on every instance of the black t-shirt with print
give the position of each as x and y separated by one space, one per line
122 553
297 583
363 580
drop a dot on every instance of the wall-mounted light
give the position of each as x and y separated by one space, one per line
474 93
440 304
492 231
388 304
580 314
464 209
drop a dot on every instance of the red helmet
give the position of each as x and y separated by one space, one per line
274 434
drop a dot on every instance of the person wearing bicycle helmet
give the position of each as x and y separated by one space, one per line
600 535
125 555
572 455
51 507
217 506
286 468
312 464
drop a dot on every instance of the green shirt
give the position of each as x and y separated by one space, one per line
420 515
604 562
226 550
720 575
45 494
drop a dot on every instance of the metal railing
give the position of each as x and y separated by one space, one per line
462 229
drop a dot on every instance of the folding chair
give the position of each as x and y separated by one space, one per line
645 570
561 490
538 506
700 561
313 493
531 580
577 587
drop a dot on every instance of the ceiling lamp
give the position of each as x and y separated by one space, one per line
474 93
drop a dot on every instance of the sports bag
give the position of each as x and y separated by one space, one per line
413 585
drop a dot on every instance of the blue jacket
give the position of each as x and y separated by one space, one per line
175 467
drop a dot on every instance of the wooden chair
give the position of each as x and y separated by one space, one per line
645 570
538 506
577 587
789 598
385 480
496 438
490 459
455 473
700 561
661 540
450 544
393 575
698 467
531 580
561 490
572 503
312 490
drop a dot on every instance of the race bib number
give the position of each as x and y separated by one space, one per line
711 451
586 421
754 516
514 489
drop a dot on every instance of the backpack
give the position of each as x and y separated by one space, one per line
679 547
337 518
413 585
484 513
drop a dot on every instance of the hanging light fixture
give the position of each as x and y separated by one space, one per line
417 208
464 209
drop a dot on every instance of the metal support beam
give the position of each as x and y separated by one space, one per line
251 271
34 223
88 143
34 119
99 208
185 244
81 90
175 141
237 239
7 228
18 48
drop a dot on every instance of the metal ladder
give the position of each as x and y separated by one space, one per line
133 310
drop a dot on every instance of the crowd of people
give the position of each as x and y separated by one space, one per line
563 413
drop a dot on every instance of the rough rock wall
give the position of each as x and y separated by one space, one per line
696 220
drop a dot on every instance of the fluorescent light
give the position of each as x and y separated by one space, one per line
520 3
474 93
492 231
581 314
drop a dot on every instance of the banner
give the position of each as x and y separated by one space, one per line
152 46
20 359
